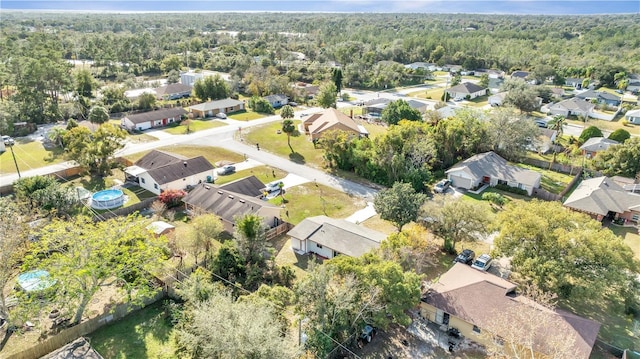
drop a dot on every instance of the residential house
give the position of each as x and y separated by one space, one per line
190 77
557 92
328 237
306 90
600 97
633 116
602 198
331 119
574 82
158 171
545 140
278 100
374 107
495 84
466 90
249 186
573 106
151 119
212 108
490 169
230 205
427 66
476 302
634 83
447 111
497 99
173 91
79 348
520 75
596 144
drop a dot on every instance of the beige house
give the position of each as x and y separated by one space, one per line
331 119
602 198
466 90
592 146
151 119
478 304
212 108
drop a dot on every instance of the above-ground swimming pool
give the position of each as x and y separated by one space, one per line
109 198
35 280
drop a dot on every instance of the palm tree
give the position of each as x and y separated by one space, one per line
557 124
288 127
56 135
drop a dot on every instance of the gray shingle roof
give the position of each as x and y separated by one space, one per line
340 235
172 89
157 158
600 196
490 164
574 104
248 186
181 169
590 94
597 144
213 105
156 115
466 87
77 349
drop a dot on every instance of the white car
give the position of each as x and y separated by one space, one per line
8 141
482 263
221 115
273 186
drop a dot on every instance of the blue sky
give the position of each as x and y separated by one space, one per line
413 6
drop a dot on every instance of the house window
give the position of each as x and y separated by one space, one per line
476 329
521 186
155 185
318 245
142 180
502 182
635 217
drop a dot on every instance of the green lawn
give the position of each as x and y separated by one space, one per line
285 256
141 334
374 130
247 115
29 155
478 101
551 181
264 174
630 236
432 94
141 138
272 141
212 154
607 125
194 126
309 200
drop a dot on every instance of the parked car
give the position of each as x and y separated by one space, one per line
368 332
8 141
273 186
225 170
466 256
482 263
442 186
221 115
541 123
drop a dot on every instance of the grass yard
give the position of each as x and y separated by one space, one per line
29 155
272 141
141 138
630 236
551 181
478 101
309 200
432 94
212 154
286 256
378 224
607 125
246 115
264 174
357 110
194 126
142 334
373 129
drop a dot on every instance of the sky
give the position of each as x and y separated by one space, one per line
537 7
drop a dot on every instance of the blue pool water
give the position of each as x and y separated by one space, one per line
108 198
35 280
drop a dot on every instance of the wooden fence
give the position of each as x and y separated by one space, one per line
575 179
125 210
68 335
272 233
558 167
545 195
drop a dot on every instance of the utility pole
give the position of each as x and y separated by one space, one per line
14 160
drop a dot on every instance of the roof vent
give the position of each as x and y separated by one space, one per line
207 187
230 196
242 201
219 192
184 163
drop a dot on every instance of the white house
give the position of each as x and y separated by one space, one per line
491 169
465 89
278 100
497 99
158 118
328 237
190 77
572 106
633 116
173 91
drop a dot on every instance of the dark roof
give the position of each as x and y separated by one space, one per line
156 115
77 349
157 158
466 87
520 74
181 169
598 95
225 204
248 186
172 88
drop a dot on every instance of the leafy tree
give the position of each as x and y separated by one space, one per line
564 252
460 136
326 96
13 244
621 160
95 151
44 192
173 77
484 81
589 132
520 95
171 63
98 114
198 287
228 263
83 256
495 198
211 88
56 135
456 80
286 112
146 101
336 76
399 204
250 238
557 124
201 234
223 328
261 105
454 220
71 124
289 128
413 249
400 110
620 135
510 134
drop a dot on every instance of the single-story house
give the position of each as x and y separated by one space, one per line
465 89
79 348
447 111
491 169
633 116
212 108
374 107
573 106
573 82
596 144
634 83
557 92
331 119
476 302
230 205
520 75
544 141
602 198
600 97
249 186
421 66
160 227
278 100
173 91
158 171
328 237
190 77
497 99
157 118
306 90
495 84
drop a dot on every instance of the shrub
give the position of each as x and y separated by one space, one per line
172 197
620 135
494 198
507 188
589 132
624 122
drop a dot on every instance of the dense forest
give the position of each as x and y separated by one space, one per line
370 48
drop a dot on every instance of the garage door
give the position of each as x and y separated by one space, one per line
460 182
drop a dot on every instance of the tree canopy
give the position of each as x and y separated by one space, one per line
94 151
211 88
620 160
399 204
400 110
327 95
589 132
